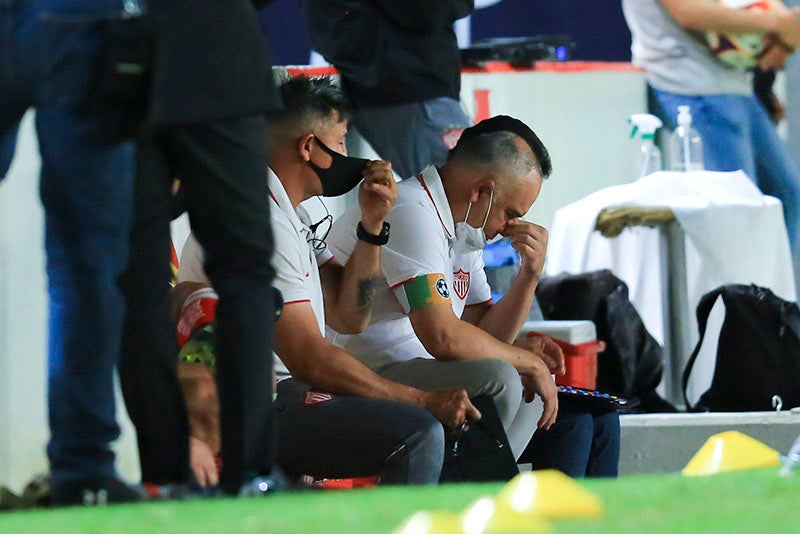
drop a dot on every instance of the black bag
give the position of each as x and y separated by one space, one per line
479 452
758 356
632 363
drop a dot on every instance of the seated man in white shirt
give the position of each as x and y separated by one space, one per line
336 417
434 323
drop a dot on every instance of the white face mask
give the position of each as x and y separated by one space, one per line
468 238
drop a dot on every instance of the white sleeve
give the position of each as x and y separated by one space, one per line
287 261
479 289
323 254
416 247
190 266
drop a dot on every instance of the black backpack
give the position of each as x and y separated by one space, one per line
479 452
758 356
632 363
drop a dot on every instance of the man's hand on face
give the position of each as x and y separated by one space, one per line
451 407
545 348
537 381
376 195
530 240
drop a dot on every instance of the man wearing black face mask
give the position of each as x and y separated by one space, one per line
323 392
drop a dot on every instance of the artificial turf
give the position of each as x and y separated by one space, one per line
746 501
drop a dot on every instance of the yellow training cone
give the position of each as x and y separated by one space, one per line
730 451
488 516
549 494
430 523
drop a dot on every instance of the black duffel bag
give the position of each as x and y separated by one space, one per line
479 451
632 362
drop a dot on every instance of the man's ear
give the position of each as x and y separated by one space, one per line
483 186
304 146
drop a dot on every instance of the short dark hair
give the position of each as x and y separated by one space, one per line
498 154
504 123
307 99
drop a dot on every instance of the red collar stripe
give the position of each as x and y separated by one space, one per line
425 187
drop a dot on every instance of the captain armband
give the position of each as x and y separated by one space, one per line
426 290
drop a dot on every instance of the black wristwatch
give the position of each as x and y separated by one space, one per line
372 239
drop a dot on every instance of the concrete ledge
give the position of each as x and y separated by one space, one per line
664 443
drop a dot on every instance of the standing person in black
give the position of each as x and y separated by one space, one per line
211 85
401 69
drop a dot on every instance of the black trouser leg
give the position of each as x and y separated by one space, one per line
347 437
223 166
148 361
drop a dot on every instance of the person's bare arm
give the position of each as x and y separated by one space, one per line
315 361
199 389
350 290
448 338
504 319
700 15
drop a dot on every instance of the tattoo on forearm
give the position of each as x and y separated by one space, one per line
366 291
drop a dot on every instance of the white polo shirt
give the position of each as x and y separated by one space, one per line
420 244
296 261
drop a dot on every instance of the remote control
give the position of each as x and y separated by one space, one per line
592 399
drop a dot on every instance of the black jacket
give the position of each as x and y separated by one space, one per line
210 61
390 51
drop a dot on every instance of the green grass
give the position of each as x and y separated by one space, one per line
751 501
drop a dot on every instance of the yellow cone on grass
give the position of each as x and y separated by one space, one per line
549 494
523 505
489 515
730 451
481 517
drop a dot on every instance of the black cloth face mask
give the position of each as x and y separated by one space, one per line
343 174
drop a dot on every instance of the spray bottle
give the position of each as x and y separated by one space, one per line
651 156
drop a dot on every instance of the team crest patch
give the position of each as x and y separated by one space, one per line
461 283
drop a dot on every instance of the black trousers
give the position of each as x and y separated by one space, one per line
222 165
345 437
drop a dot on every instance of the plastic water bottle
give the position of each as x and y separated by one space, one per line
651 156
686 146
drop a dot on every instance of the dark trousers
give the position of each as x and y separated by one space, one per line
346 437
222 166
580 444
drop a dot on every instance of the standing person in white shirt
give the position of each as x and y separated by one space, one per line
434 323
737 132
336 417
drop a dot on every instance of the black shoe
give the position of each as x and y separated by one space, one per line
98 491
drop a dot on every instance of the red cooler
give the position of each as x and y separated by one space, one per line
578 340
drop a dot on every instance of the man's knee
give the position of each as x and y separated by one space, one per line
502 381
423 431
419 458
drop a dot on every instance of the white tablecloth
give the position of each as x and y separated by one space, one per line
734 234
